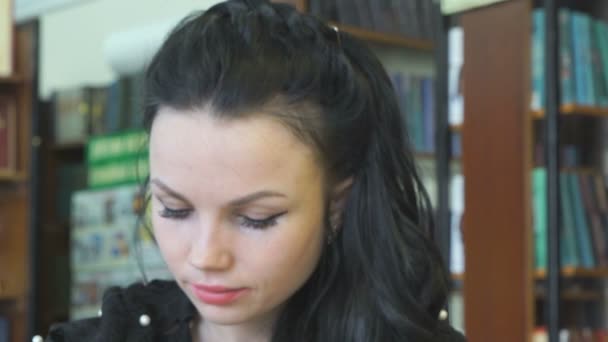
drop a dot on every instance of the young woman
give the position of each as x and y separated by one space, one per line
285 202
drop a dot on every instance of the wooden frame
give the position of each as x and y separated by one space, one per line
8 136
497 161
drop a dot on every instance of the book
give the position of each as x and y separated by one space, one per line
565 56
538 56
455 76
539 205
99 100
6 38
428 115
594 219
569 252
602 43
72 114
4 329
581 226
8 135
599 83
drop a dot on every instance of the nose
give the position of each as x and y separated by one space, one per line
210 250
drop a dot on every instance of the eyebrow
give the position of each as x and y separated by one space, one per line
236 202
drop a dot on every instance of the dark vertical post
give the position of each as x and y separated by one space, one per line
442 132
552 102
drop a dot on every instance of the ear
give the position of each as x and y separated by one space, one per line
337 200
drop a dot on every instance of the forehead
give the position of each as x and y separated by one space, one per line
195 149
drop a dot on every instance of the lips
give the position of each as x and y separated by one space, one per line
217 295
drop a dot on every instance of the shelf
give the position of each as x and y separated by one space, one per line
432 157
385 38
573 109
573 295
13 79
456 128
12 177
574 272
72 147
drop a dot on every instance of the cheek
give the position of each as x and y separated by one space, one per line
172 244
289 258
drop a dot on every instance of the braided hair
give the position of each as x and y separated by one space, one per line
382 279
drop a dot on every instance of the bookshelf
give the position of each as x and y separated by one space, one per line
576 272
17 194
498 146
573 109
390 39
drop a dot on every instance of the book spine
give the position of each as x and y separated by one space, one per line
578 58
538 70
601 94
565 53
598 237
588 59
581 225
539 202
428 115
569 254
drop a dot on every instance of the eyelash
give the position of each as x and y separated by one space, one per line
180 214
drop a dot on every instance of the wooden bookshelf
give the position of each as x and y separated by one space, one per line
11 80
573 295
13 177
573 109
456 128
382 38
16 195
69 147
576 272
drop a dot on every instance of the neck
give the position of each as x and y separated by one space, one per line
257 331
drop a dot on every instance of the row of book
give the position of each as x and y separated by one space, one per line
412 18
416 95
540 334
584 210
583 56
82 112
4 329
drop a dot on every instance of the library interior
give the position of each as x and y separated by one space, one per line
503 112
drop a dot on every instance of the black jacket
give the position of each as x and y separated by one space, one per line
158 312
166 310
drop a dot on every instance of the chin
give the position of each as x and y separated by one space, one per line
224 315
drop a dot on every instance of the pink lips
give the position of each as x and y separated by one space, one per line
217 295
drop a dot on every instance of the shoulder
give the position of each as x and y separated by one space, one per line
136 313
446 333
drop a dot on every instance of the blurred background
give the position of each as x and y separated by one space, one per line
505 104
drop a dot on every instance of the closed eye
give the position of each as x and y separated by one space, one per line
265 223
176 214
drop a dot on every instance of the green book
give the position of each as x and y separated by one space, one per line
581 226
539 204
569 252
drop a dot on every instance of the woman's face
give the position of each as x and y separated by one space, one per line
238 211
